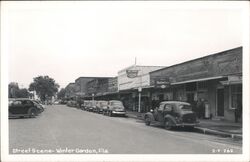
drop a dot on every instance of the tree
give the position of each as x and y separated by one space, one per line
15 92
44 86
13 89
61 93
23 93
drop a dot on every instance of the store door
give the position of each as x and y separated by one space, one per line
161 97
220 102
190 98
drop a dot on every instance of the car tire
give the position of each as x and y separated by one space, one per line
32 113
168 124
147 120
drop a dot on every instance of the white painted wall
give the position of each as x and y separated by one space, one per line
142 80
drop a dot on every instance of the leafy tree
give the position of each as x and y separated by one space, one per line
61 93
44 86
13 89
23 93
15 92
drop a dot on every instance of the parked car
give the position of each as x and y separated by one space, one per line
24 107
172 114
41 106
90 105
63 102
115 107
101 105
71 103
56 102
84 105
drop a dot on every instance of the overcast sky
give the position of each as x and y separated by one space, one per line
66 40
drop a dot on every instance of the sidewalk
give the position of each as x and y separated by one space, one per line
207 126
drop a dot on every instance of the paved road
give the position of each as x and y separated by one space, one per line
75 131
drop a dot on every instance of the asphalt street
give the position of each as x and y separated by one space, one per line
62 129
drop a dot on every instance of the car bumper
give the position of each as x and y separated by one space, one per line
119 112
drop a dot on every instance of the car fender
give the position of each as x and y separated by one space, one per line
150 115
169 117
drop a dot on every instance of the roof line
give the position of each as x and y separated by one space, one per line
214 54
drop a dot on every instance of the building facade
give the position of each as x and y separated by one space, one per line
132 82
212 84
214 81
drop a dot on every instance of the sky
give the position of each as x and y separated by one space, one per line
67 40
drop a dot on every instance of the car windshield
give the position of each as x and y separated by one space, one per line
103 103
116 104
185 107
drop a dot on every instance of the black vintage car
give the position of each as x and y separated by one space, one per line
172 114
23 107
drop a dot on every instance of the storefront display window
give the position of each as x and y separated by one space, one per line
236 96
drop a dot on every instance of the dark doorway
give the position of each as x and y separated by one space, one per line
161 96
220 102
190 98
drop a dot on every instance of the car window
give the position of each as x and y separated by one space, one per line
116 103
16 103
185 107
27 103
103 103
10 103
168 107
161 107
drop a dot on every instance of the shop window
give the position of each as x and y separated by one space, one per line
236 96
202 85
191 86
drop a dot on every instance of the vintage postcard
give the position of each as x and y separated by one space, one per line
124 81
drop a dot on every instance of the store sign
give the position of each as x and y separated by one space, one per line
132 73
162 82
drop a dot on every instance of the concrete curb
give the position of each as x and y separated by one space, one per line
201 130
218 133
134 116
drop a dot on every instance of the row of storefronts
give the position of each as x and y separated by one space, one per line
212 84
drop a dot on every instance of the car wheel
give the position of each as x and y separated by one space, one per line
147 121
168 124
32 113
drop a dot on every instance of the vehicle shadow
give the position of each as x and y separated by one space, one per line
175 129
15 118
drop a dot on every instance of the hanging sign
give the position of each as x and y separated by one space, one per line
162 82
132 73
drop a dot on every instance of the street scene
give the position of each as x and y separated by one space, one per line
102 79
66 130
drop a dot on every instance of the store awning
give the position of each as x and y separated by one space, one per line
232 80
199 80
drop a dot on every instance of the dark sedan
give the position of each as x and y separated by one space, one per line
172 114
22 107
